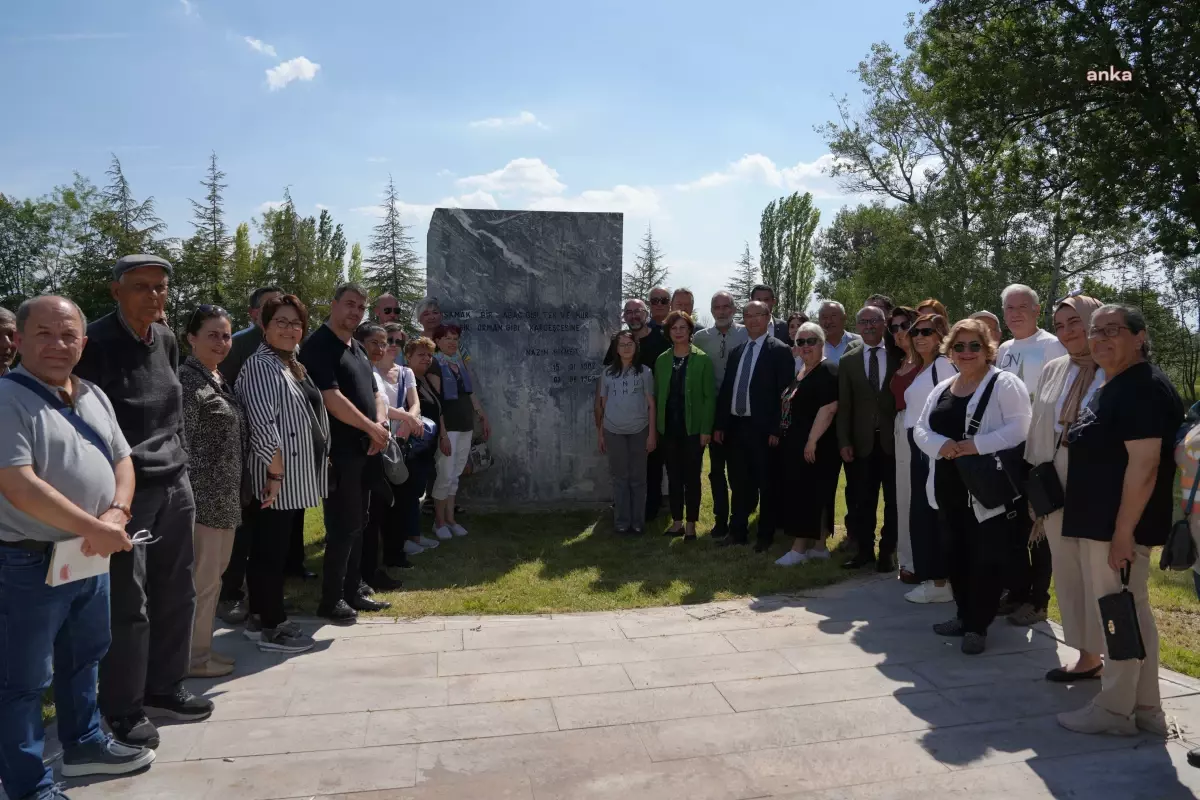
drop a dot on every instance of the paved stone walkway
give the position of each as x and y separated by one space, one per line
844 694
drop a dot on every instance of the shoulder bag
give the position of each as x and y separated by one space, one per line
1122 632
993 479
77 422
1179 553
1044 489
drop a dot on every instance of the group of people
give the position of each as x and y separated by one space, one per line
191 475
950 423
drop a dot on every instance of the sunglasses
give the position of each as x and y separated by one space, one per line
396 342
660 301
390 310
896 327
923 331
811 341
962 347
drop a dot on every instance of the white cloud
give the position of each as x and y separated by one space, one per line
634 200
479 199
322 207
377 159
520 120
260 46
530 175
805 176
298 69
189 8
270 205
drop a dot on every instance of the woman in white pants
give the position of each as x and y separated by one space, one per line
901 319
451 379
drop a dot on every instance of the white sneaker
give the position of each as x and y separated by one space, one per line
411 548
428 543
443 532
818 555
791 558
929 592
458 530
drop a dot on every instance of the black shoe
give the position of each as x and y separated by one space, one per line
361 603
886 564
134 730
1194 757
183 705
232 612
730 541
689 537
951 627
671 533
719 531
340 613
762 547
104 757
858 562
405 564
364 590
1060 675
386 584
302 573
974 644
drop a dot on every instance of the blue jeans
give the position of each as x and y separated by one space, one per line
62 630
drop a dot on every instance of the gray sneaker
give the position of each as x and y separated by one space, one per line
1027 615
105 757
232 612
974 644
285 638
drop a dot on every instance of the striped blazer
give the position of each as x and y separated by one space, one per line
280 418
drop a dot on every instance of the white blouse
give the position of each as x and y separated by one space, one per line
918 391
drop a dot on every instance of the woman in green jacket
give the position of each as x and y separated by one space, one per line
686 389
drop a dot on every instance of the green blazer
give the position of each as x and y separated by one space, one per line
699 391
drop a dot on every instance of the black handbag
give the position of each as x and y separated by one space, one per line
993 479
1044 489
1121 629
1179 553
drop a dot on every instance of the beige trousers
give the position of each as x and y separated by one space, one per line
212 549
903 494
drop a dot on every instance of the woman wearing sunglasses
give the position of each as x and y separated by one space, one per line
899 322
929 556
809 445
978 539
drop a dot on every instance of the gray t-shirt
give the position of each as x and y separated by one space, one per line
624 396
34 434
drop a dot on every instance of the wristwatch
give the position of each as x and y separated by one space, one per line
124 509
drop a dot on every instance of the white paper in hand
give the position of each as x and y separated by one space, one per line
68 563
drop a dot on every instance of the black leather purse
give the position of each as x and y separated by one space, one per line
1121 629
994 479
1179 553
1044 489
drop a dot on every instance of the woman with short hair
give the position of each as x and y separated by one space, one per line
978 538
626 433
215 436
899 324
1120 479
929 555
687 405
288 464
425 445
809 444
453 381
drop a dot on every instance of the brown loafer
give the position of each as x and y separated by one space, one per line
221 658
908 577
211 670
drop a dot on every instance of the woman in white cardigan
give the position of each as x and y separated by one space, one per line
977 538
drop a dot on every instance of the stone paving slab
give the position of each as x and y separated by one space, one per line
840 693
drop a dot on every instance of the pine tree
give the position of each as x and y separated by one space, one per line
354 273
392 265
212 239
743 281
648 271
133 226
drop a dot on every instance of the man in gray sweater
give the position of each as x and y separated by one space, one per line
133 360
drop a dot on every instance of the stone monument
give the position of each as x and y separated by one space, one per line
538 295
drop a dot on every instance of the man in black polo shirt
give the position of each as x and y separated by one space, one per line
358 432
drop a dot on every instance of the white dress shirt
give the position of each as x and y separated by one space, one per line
881 362
758 347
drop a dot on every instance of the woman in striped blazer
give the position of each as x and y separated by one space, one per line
288 464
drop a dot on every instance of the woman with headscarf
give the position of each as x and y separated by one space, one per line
1066 385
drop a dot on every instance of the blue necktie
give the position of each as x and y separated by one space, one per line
742 402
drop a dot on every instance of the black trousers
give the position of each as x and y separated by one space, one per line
1030 567
865 475
750 466
717 458
977 555
152 600
685 461
295 552
654 473
270 549
234 578
406 509
925 532
345 517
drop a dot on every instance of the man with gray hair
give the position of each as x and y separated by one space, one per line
660 306
719 342
133 360
832 317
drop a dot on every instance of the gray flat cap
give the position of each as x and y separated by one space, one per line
126 263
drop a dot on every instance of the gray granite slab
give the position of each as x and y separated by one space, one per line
641 705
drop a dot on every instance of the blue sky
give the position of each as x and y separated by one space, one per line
691 116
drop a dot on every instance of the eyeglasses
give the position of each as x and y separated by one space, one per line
896 327
390 310
869 322
1107 331
924 331
660 301
395 342
811 341
962 347
288 324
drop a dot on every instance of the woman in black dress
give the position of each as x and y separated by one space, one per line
809 444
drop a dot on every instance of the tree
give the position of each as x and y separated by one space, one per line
242 277
869 249
24 233
648 270
133 226
795 226
354 273
213 241
743 281
770 257
392 265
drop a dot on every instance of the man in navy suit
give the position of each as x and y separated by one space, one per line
748 410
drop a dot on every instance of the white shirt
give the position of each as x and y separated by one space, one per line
918 391
881 362
834 352
1072 374
1026 357
758 346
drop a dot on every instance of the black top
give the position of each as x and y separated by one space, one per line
949 418
800 404
1140 403
459 413
244 343
651 347
335 365
431 401
676 404
140 379
312 394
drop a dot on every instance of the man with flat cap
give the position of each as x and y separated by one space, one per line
133 359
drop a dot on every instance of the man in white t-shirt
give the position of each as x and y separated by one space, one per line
1030 349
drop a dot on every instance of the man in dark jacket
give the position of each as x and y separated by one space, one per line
133 360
